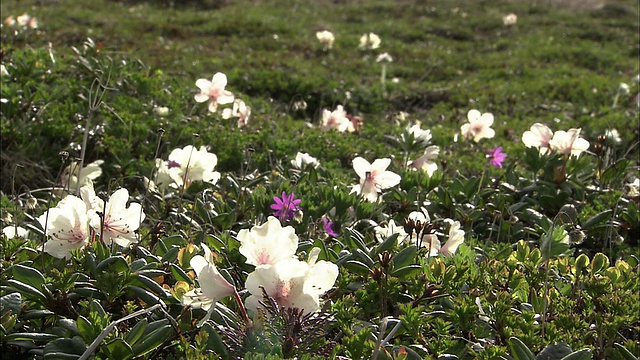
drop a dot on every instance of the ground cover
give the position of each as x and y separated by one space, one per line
413 237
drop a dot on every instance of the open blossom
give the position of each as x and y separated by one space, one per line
384 57
66 226
328 226
425 162
419 136
3 71
240 110
369 41
479 126
456 238
538 136
303 160
568 142
373 177
510 19
292 283
496 157
213 286
286 206
89 173
213 91
12 232
337 120
268 243
185 166
326 38
384 232
118 223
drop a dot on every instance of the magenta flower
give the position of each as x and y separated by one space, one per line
496 156
285 206
328 227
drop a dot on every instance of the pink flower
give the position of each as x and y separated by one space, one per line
214 92
285 206
328 227
496 156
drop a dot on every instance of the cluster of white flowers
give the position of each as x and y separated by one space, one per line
337 120
185 166
422 137
454 239
271 248
326 38
213 91
370 41
510 19
304 160
22 21
68 225
564 142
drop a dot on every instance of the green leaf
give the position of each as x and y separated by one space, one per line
119 349
136 332
86 329
625 353
152 340
171 255
33 336
404 257
116 264
28 275
28 290
357 267
406 271
599 263
557 350
65 348
11 302
597 219
150 284
615 171
389 243
144 295
519 350
179 274
214 342
584 354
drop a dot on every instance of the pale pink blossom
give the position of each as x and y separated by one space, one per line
213 286
479 126
66 226
118 223
268 243
538 136
425 162
240 110
337 120
213 91
373 177
568 142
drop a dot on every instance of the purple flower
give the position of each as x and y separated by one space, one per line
496 156
285 206
328 227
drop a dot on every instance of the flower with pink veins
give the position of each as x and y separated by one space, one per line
66 226
213 286
539 135
336 119
119 222
268 243
373 177
213 91
568 142
479 126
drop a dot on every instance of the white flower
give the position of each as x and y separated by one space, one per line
67 226
12 232
185 166
161 111
510 19
303 160
538 136
384 232
613 135
269 243
384 57
326 38
419 136
568 142
239 110
3 71
213 91
369 41
292 283
624 88
479 126
373 177
425 162
633 188
456 237
88 173
336 119
119 222
213 286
